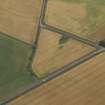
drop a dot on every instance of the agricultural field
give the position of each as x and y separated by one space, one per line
19 18
14 72
85 18
83 85
26 64
54 52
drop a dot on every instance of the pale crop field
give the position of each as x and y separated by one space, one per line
83 85
19 18
14 73
85 18
51 54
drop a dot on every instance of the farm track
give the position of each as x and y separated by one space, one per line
42 25
85 83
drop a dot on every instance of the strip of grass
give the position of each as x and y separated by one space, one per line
14 58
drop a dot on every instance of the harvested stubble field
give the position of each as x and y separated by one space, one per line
81 17
14 74
18 18
83 85
52 55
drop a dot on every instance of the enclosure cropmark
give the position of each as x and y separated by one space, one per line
63 38
43 24
86 20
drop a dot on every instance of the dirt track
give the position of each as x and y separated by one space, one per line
18 18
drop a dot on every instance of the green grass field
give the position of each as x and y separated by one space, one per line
14 58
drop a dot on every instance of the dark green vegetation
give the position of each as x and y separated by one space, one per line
14 73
